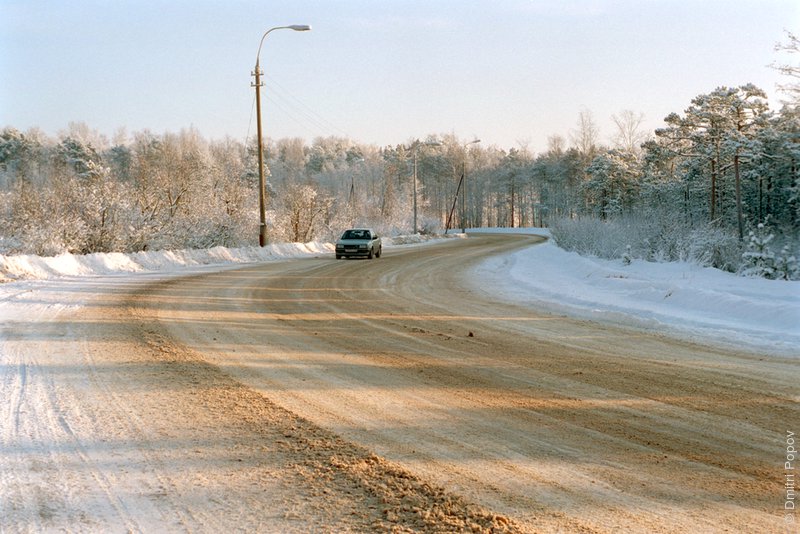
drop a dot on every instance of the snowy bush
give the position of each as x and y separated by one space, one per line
786 266
653 239
711 246
657 238
627 258
588 236
429 225
759 258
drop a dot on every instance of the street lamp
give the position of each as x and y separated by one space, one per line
262 198
466 198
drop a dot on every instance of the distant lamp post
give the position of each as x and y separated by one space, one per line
414 148
467 211
352 200
262 197
461 183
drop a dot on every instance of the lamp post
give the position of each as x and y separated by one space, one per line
461 181
262 197
467 211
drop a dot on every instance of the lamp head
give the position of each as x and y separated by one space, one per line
300 27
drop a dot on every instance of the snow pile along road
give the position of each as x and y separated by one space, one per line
37 267
69 265
681 299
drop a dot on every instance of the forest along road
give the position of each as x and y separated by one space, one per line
324 395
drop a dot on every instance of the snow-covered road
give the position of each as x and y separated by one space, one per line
110 424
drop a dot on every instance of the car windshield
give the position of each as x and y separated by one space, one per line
356 234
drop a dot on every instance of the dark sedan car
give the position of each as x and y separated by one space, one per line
358 242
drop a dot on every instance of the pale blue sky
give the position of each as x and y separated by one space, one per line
378 71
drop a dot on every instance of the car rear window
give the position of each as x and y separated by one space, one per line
356 234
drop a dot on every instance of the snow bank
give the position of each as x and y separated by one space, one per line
43 268
37 267
683 299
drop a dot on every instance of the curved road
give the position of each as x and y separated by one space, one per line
354 395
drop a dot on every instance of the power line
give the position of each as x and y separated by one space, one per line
302 109
278 105
294 109
250 123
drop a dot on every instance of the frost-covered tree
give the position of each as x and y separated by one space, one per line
20 155
559 175
613 184
78 157
708 173
791 70
759 259
629 135
715 137
586 135
301 214
725 162
774 172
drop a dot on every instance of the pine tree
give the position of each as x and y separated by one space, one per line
758 258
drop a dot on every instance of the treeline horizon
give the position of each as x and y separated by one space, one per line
727 166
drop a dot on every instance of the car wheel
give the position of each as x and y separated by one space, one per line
380 251
371 253
338 256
